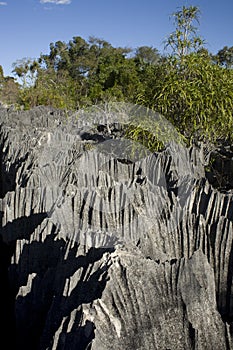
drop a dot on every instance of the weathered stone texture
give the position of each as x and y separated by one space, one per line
98 252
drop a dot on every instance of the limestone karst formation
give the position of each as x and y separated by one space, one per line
102 251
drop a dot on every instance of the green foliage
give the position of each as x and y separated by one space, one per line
49 90
147 55
9 89
225 57
197 97
184 39
141 134
78 73
25 70
190 87
152 131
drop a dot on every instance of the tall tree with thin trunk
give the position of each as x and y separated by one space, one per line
185 38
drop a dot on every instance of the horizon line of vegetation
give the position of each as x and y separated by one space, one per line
189 86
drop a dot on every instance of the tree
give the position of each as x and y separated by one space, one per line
225 57
26 71
9 93
1 74
189 89
9 89
115 76
147 55
199 104
185 39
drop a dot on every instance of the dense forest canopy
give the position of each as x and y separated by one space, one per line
190 86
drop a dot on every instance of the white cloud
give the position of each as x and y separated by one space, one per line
2 3
57 2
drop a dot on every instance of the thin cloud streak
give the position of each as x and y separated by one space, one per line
56 2
2 3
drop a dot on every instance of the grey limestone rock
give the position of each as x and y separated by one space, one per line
101 250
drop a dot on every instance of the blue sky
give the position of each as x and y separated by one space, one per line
27 27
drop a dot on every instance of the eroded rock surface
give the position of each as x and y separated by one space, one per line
102 252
